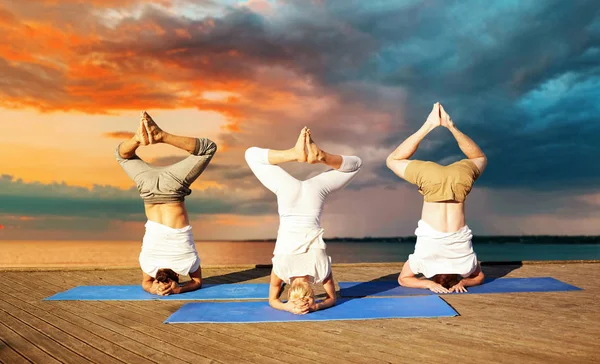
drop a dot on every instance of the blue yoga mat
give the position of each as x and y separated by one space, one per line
248 291
353 309
500 285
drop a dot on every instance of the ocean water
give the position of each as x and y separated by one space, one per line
344 252
368 250
374 251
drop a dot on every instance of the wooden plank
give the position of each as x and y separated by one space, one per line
60 337
23 346
258 353
9 355
85 331
527 327
139 343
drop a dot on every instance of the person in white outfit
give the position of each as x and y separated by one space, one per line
300 258
443 252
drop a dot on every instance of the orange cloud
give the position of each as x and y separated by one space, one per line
119 135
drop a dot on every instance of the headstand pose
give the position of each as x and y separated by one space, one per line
168 248
299 257
443 252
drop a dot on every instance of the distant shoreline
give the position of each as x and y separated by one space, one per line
478 239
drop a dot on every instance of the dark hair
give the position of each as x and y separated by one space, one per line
164 275
446 280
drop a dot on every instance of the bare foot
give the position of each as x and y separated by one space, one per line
299 147
315 155
155 133
141 136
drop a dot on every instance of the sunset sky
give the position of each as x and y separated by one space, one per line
521 78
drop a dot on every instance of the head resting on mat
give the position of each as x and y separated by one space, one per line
300 290
165 275
446 280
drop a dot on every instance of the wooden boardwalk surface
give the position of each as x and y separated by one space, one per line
556 327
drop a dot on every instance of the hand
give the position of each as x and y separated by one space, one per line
165 289
446 120
437 288
433 120
297 307
313 307
459 287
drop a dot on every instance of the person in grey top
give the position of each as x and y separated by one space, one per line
168 248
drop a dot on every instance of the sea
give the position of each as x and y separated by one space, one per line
342 250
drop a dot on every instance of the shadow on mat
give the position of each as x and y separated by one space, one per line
492 271
258 271
495 270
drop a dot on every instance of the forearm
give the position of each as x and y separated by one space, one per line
410 145
149 287
277 304
414 282
326 303
127 148
475 281
190 286
466 144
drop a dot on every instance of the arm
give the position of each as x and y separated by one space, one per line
470 149
294 307
475 279
329 301
193 284
149 284
408 279
398 159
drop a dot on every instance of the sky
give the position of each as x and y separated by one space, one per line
521 78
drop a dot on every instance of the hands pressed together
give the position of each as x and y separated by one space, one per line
439 117
300 306
165 289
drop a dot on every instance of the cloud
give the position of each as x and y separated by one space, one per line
520 78
119 135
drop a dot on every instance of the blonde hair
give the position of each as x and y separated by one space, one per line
300 290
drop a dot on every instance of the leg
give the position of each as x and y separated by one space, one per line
189 169
272 177
157 135
398 159
345 168
125 154
201 149
263 162
466 144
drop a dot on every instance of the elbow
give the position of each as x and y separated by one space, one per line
402 281
480 278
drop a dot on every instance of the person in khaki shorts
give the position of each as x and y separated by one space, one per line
168 248
443 253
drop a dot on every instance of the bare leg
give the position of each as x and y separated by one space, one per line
410 145
157 135
316 155
295 154
466 144
127 148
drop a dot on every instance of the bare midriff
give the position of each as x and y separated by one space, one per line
173 215
446 216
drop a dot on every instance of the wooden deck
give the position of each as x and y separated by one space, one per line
559 327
